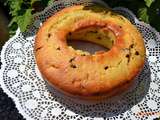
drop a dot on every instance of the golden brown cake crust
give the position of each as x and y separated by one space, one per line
88 76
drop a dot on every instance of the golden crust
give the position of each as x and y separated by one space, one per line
87 76
96 96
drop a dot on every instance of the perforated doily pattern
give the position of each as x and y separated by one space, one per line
21 80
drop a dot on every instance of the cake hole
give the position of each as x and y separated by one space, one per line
92 39
86 46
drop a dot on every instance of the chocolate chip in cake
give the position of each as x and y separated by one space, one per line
136 53
38 48
73 66
58 48
127 56
83 55
106 67
71 59
49 35
132 45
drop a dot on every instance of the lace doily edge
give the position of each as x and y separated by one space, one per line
2 85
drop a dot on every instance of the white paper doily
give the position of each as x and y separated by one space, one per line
21 80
